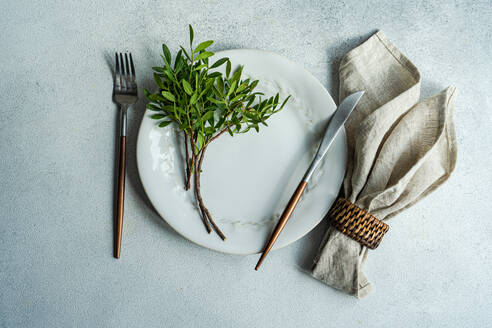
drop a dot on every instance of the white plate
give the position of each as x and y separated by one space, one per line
248 179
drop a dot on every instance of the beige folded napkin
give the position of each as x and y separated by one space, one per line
399 150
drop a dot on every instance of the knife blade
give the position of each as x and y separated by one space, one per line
336 123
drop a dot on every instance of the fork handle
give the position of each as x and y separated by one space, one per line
121 197
121 187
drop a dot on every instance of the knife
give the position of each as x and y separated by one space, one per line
336 123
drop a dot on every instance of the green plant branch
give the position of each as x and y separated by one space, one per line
199 196
190 92
188 169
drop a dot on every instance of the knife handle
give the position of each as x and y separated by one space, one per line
291 205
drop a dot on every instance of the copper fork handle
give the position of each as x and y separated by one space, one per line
121 198
282 221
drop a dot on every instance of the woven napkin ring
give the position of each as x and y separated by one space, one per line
357 223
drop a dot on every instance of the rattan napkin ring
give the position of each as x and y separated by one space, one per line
357 223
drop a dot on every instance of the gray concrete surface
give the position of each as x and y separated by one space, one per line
57 143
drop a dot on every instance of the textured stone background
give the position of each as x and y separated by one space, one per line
57 139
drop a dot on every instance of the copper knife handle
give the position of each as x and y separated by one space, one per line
121 198
291 205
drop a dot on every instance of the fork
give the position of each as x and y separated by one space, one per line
124 94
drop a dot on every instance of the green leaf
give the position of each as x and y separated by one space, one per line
164 123
157 116
200 95
208 115
191 35
186 54
209 131
169 75
158 69
158 81
236 98
179 66
242 87
196 124
204 55
250 100
184 125
156 97
169 96
220 122
237 74
200 67
202 46
167 53
253 85
178 58
168 108
166 64
174 110
283 104
179 109
248 114
200 140
193 98
219 62
214 75
153 107
187 87
146 92
231 89
220 85
195 78
228 68
215 101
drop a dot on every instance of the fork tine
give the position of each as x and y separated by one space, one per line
123 79
133 67
117 77
128 77
122 64
127 65
117 69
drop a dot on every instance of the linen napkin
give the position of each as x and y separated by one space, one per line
399 150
